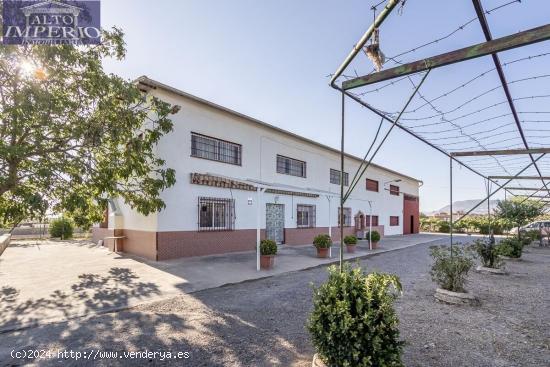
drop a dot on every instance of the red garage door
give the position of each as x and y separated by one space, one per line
411 214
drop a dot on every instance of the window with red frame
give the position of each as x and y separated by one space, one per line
394 221
372 185
394 190
374 220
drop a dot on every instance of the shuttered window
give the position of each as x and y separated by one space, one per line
374 220
394 221
372 185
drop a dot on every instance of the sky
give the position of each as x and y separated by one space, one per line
271 59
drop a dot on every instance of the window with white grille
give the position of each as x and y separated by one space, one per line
215 149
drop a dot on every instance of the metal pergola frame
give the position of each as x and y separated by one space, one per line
490 47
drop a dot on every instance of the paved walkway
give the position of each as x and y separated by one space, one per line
49 281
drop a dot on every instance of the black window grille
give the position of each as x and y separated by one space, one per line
305 216
347 217
290 166
394 221
335 177
216 214
215 149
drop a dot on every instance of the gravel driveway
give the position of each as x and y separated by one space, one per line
261 323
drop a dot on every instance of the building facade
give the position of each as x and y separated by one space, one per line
235 174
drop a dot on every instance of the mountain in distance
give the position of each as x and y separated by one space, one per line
465 205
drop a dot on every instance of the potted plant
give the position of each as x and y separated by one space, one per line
374 237
490 260
322 242
353 321
450 270
351 243
268 250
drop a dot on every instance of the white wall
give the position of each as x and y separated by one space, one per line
260 146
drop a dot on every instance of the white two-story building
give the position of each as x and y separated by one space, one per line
222 158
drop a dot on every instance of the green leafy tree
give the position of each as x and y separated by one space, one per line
71 134
519 211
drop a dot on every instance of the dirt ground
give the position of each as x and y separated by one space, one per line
261 322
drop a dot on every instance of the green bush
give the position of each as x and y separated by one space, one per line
510 247
268 247
488 252
375 236
322 241
61 228
451 267
530 236
353 322
443 226
350 240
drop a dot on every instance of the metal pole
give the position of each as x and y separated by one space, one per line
359 46
340 214
451 202
499 187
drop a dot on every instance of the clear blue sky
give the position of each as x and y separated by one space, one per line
270 59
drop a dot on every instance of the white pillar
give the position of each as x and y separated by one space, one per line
258 225
370 225
329 228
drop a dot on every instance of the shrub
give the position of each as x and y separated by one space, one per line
61 228
530 236
353 322
488 252
375 236
510 247
443 226
322 241
451 267
350 240
268 247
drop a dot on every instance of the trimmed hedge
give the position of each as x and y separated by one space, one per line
353 322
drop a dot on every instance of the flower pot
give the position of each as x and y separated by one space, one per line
267 261
374 244
351 248
322 252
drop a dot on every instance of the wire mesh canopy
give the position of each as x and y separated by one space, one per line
496 102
